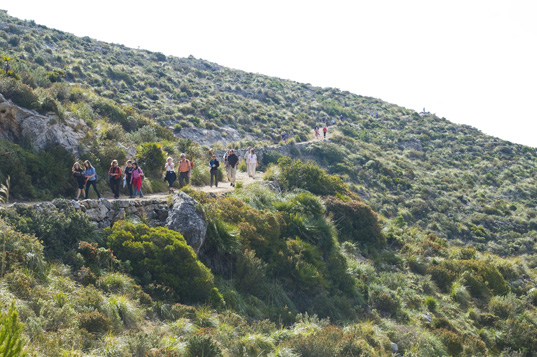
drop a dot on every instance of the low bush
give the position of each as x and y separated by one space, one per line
163 256
355 222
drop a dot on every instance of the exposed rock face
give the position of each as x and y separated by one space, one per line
224 135
18 124
184 219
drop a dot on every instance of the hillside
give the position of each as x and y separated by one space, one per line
402 234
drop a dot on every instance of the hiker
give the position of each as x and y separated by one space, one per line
80 176
127 177
91 179
214 170
114 175
233 159
226 165
137 175
284 137
170 174
252 163
324 131
184 171
316 132
246 155
333 121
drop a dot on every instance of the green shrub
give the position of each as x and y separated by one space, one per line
308 176
355 222
152 159
430 303
19 93
60 230
202 344
163 256
452 341
94 322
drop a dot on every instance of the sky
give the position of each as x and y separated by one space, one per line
472 62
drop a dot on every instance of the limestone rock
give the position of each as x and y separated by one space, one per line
18 124
184 219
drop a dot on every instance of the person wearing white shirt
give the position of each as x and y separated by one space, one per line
252 163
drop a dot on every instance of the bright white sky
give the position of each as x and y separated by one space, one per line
470 61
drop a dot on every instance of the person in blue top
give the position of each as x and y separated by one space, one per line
91 176
214 171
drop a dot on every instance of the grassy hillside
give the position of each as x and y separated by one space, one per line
416 236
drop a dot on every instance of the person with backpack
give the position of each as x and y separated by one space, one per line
233 160
137 175
213 164
127 177
114 175
170 174
80 175
184 168
252 163
91 177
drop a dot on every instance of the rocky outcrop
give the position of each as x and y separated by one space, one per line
22 125
185 219
178 213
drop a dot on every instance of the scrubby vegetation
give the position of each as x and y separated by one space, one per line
404 233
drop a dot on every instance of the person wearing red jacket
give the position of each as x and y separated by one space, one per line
114 174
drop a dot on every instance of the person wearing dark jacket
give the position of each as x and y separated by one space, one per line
214 171
114 175
80 175
127 171
233 159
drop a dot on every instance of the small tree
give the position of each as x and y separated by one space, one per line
152 159
11 342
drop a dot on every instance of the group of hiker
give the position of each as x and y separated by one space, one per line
86 175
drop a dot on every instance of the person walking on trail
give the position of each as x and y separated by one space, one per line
170 174
226 165
213 164
91 177
325 129
233 159
246 155
184 168
114 175
137 175
127 177
316 132
80 175
252 163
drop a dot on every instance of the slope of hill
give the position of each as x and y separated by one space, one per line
446 268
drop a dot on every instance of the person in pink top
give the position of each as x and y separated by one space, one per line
136 179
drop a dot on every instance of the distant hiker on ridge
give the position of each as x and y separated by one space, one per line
80 176
114 175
